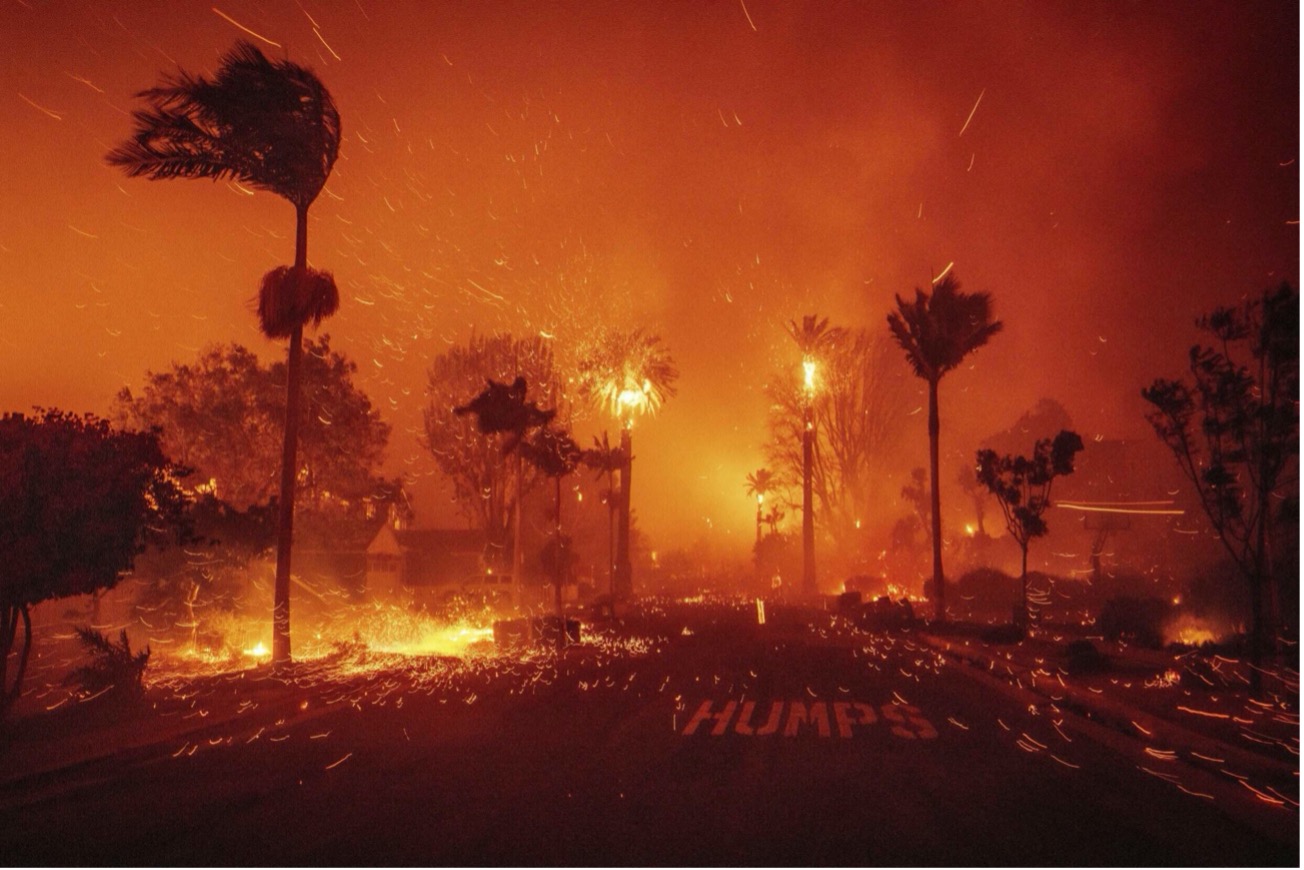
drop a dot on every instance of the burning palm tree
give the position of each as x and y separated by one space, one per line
814 339
628 374
760 483
274 126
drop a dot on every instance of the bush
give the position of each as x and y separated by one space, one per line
1135 620
1084 658
114 669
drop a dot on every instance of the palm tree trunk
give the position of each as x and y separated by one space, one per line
289 465
808 584
558 574
624 585
934 430
1023 577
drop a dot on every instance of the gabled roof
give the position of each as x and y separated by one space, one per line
427 540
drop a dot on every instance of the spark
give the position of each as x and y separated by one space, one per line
1267 799
748 14
336 764
971 112
325 43
55 115
247 30
87 82
943 273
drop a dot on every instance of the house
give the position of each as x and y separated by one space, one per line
403 561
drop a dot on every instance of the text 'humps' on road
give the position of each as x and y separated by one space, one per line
818 717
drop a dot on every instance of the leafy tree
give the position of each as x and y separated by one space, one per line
488 484
78 502
219 417
627 374
937 332
858 415
1234 429
1022 488
274 126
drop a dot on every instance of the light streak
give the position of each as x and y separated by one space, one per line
942 274
336 764
748 14
40 108
325 43
1266 798
246 29
971 112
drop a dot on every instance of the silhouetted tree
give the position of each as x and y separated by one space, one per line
78 502
481 463
555 454
627 374
1022 488
1234 428
606 460
937 332
274 126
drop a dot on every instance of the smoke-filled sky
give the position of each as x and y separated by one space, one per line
709 170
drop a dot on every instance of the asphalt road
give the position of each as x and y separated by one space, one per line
725 742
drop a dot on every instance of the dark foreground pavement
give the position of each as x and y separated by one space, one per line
721 742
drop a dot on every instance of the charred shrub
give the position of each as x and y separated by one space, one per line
114 671
1135 620
1082 657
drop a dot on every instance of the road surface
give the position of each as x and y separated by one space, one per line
720 741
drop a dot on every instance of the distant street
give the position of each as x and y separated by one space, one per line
725 742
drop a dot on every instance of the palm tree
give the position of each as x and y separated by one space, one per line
627 373
760 483
814 339
606 460
274 126
937 333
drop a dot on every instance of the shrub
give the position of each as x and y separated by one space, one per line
114 669
1084 658
1136 620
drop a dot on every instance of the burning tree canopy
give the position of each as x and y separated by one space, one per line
78 501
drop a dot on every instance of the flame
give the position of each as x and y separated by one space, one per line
1191 630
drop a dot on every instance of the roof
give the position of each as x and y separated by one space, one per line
388 540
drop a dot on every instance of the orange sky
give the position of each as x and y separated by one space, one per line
704 169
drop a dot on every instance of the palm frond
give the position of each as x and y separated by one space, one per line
289 298
270 124
937 332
